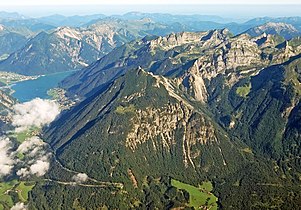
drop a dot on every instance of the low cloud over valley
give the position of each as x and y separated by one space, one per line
35 113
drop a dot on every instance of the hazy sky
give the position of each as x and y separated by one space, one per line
233 10
106 2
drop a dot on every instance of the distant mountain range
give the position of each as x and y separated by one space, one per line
73 21
295 21
11 16
23 40
169 18
74 48
285 30
10 42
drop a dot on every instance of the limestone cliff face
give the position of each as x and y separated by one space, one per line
201 39
70 41
231 55
241 52
6 101
176 124
194 84
227 57
214 38
173 40
160 125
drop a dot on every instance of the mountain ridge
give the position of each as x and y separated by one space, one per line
67 48
285 30
173 54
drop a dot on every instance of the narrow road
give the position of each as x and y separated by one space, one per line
99 183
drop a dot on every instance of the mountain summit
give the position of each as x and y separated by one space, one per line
285 30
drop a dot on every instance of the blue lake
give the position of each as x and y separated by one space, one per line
30 89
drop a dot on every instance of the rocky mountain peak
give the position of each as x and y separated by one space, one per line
159 119
278 27
63 32
194 83
216 35
286 30
146 20
176 39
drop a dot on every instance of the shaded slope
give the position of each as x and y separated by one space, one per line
266 118
145 124
11 42
150 118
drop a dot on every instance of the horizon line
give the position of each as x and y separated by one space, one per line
156 4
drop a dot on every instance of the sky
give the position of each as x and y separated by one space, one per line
232 10
116 2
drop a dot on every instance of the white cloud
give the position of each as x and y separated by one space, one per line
6 160
37 162
81 177
37 166
30 144
23 172
19 206
37 113
40 167
36 159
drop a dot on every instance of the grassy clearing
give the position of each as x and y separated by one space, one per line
56 93
198 197
22 136
207 186
20 156
5 198
19 187
53 93
244 90
23 189
125 109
